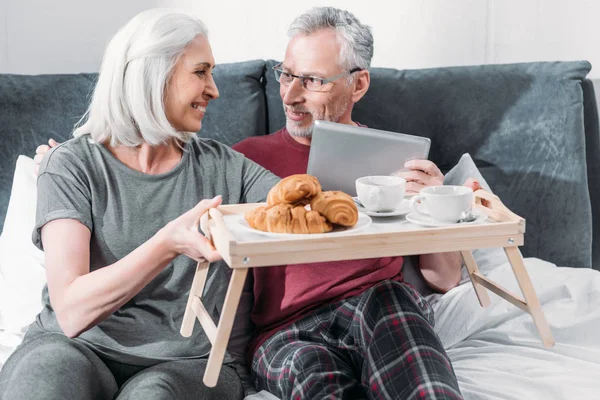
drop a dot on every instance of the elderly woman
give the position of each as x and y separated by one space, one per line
117 207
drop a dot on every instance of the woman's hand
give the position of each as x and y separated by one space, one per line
182 236
472 183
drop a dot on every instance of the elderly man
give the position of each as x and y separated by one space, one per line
349 329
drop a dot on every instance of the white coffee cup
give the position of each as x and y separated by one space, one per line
443 203
381 193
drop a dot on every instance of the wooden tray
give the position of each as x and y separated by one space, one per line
242 249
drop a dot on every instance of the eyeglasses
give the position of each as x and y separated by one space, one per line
312 83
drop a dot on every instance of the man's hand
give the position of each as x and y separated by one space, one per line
420 174
41 151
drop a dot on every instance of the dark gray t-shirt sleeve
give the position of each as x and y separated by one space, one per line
61 192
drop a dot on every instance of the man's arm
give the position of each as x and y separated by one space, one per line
441 271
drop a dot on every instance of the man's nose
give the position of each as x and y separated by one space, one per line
293 92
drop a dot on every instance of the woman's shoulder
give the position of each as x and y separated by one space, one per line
210 147
73 154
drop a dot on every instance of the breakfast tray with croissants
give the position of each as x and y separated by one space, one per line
302 224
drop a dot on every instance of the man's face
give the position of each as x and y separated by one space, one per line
314 55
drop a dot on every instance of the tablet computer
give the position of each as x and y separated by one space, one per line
340 153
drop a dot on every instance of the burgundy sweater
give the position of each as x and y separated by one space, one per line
286 293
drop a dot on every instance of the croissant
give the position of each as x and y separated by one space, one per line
285 211
317 223
299 223
337 207
279 219
257 218
287 218
294 189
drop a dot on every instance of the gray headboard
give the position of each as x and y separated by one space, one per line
532 129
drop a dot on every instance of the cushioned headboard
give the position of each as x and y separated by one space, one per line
36 108
32 110
592 147
523 125
241 111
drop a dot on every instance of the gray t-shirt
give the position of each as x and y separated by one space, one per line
123 208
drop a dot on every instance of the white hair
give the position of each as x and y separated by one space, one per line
356 39
128 104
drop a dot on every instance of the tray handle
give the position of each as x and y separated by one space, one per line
494 207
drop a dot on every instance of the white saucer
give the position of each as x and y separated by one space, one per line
426 220
402 210
363 222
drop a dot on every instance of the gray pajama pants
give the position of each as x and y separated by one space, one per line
52 366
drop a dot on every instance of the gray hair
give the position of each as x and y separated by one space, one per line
356 39
128 106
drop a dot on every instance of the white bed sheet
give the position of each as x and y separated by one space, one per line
496 352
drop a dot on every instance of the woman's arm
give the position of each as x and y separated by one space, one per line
256 182
81 299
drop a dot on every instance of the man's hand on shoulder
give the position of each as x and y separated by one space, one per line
41 151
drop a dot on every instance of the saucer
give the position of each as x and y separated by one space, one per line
402 210
426 220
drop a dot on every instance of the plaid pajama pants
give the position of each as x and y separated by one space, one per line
376 345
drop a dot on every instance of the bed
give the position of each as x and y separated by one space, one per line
496 351
532 131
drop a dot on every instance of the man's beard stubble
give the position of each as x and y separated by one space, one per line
337 111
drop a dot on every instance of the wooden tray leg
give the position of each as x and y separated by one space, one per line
532 302
232 300
189 317
480 291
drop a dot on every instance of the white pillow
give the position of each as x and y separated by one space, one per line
22 273
487 259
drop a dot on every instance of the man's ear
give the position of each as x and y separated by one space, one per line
362 80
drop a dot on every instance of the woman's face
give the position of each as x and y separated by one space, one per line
191 86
